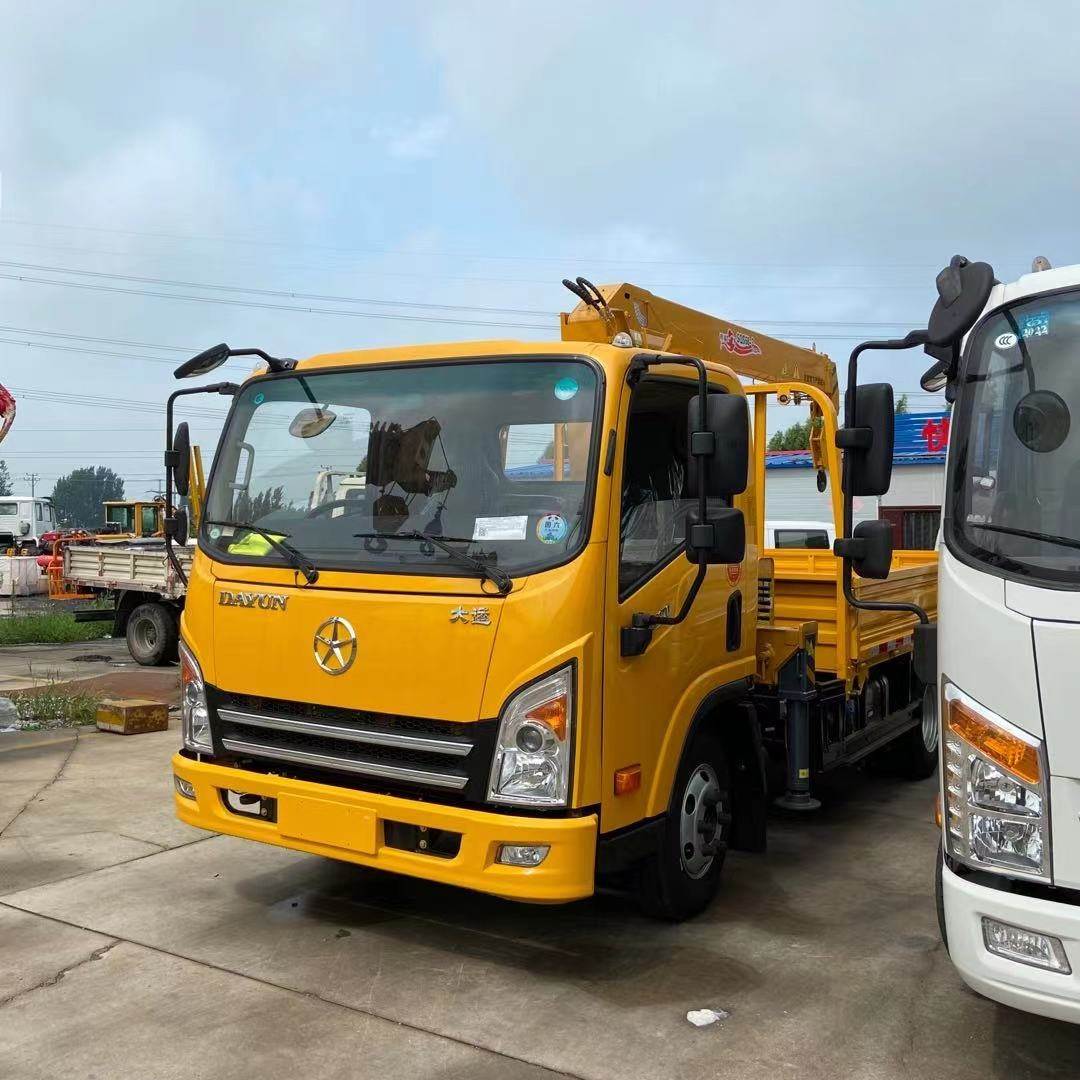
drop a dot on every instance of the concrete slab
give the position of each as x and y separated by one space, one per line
131 1012
824 951
110 802
23 667
33 950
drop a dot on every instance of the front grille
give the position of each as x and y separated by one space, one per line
364 747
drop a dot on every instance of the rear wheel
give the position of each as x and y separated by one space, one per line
152 635
683 876
919 746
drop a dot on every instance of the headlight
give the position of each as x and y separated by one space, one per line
996 814
532 753
194 712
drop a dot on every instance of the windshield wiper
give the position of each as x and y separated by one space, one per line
1061 541
479 563
293 556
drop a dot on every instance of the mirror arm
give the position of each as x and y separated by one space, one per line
226 389
635 638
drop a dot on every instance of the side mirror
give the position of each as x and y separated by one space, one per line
723 448
722 538
308 423
207 360
869 445
869 549
181 459
182 527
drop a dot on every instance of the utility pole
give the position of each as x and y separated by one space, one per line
32 479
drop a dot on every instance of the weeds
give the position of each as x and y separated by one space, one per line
50 628
53 706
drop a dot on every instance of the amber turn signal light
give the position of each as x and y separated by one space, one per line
627 779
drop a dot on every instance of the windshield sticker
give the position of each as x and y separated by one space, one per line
566 388
501 528
1037 324
259 399
1005 341
551 529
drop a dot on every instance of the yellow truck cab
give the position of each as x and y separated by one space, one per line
531 634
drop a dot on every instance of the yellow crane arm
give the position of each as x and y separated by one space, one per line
655 323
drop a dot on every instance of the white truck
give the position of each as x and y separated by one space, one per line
23 521
146 590
1008 878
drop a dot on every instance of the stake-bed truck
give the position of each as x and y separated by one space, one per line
536 637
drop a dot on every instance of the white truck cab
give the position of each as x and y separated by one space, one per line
23 520
1009 650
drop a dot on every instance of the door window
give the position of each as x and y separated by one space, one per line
654 500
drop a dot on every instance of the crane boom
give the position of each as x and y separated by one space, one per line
655 323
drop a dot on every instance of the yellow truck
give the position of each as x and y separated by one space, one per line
532 637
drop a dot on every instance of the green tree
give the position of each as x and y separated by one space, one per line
902 405
255 508
796 437
5 479
77 497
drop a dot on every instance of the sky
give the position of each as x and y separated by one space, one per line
432 171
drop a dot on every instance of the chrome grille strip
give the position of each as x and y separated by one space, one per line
328 761
423 743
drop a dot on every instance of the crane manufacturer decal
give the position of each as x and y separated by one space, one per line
739 344
7 412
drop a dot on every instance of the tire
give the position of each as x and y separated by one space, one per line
679 882
152 635
918 748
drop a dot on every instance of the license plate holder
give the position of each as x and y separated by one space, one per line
333 824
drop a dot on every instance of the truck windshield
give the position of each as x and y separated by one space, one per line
1014 485
494 458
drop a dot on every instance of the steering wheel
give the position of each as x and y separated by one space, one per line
325 508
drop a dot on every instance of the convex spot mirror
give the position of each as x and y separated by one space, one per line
728 420
963 289
1041 421
182 457
206 361
311 422
869 470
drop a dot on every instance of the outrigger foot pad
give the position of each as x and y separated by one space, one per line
797 801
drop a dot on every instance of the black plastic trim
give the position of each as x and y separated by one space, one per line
1056 894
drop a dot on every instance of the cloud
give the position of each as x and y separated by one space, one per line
413 140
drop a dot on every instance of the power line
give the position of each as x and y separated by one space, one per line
286 293
267 306
186 349
595 259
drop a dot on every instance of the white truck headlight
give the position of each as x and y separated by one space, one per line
531 766
995 777
194 712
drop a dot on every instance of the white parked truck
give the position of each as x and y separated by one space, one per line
146 590
1008 879
23 520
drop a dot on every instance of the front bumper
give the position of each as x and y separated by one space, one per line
317 811
1046 993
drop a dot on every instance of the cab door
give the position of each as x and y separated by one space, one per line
650 699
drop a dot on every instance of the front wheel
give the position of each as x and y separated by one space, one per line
681 879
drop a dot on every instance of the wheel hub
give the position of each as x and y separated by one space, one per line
700 821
